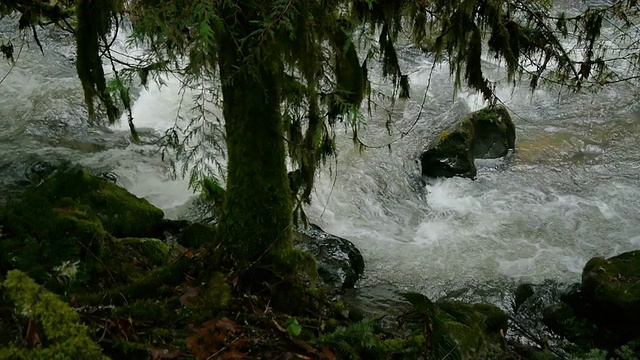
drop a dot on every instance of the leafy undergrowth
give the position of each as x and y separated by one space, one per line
200 305
185 310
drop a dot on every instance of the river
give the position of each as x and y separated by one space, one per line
569 192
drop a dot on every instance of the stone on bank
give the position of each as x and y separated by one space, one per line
604 311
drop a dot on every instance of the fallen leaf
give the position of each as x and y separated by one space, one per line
190 297
33 336
327 354
193 345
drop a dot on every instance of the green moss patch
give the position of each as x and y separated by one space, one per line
62 335
121 213
153 250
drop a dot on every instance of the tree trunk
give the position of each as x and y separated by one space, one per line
258 213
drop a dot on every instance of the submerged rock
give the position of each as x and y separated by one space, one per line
485 134
605 309
340 263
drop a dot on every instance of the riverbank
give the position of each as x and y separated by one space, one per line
87 268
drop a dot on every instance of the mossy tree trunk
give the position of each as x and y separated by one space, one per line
257 216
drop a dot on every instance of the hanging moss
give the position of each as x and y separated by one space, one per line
349 74
94 23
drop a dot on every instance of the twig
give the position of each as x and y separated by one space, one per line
99 261
35 37
223 349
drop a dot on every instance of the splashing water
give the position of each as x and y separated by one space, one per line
568 192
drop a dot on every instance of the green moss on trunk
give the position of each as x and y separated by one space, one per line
257 219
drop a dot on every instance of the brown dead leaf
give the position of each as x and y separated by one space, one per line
327 354
210 324
226 324
190 297
33 335
303 344
193 345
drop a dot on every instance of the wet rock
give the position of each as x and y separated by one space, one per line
485 134
605 309
379 301
523 293
485 323
340 263
109 176
39 171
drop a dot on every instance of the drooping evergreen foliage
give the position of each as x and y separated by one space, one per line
286 72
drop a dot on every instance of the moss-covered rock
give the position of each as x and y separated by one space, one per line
457 330
614 284
121 213
63 335
488 133
59 233
494 132
605 310
55 246
217 292
477 326
159 311
154 250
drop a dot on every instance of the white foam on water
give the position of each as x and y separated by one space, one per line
525 218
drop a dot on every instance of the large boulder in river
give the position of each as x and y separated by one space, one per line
340 263
605 309
485 134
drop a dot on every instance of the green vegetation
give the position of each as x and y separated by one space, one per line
286 74
63 336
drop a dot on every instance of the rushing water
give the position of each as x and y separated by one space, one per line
569 191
